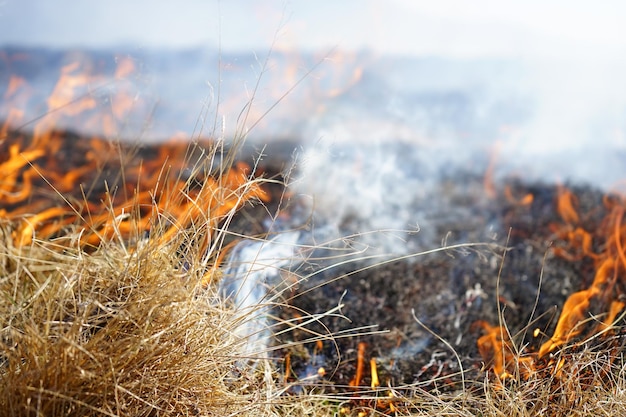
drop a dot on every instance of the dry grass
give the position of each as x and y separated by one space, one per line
128 332
131 330
115 332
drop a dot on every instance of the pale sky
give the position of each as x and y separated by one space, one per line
456 28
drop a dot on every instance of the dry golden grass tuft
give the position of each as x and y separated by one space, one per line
115 332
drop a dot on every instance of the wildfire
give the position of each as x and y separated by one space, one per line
55 184
586 314
84 191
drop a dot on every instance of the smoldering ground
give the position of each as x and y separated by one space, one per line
392 164
415 296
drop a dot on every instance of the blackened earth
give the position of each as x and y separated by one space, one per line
425 309
417 316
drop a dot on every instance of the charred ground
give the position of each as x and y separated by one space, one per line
498 256
518 273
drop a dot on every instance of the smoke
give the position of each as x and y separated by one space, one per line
576 132
375 134
253 269
373 159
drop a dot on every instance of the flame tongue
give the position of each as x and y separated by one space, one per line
598 305
586 314
53 182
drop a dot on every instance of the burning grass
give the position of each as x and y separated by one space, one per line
111 257
589 316
125 318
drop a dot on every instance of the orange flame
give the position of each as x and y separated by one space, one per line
577 310
586 313
496 349
360 365
54 184
565 206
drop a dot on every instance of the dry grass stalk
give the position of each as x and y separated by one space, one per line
112 333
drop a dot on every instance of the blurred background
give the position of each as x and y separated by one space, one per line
539 82
532 29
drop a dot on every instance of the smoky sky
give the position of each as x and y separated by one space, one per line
447 27
571 54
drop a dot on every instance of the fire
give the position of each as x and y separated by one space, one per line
57 185
565 206
603 298
497 350
360 365
586 314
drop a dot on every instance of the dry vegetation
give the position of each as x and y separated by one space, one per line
120 331
128 331
134 325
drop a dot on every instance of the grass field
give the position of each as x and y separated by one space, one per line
112 258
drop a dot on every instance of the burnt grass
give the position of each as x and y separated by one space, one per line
512 267
512 275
